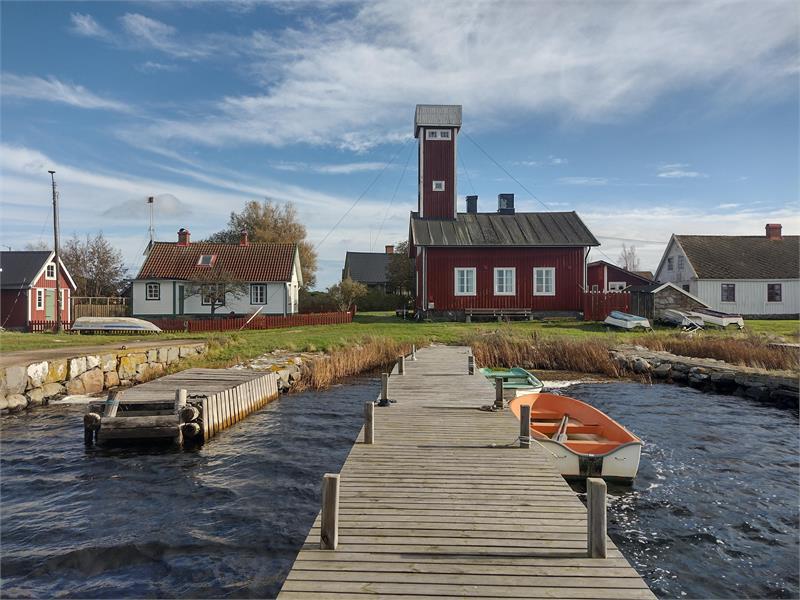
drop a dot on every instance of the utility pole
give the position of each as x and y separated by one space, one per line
59 326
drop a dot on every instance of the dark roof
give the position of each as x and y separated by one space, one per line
493 229
19 269
646 274
256 262
637 274
367 267
742 256
656 287
441 115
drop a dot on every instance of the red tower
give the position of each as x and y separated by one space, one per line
436 127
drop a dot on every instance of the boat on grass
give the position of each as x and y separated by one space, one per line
114 324
720 319
584 441
687 321
516 381
626 321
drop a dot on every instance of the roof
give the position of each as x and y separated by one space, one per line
437 115
742 256
646 274
367 267
637 274
20 269
494 229
257 261
654 288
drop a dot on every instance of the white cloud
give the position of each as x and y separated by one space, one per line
150 33
729 205
329 169
53 90
151 66
551 161
583 180
86 26
679 171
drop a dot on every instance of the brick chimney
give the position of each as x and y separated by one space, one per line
389 249
774 231
183 237
243 239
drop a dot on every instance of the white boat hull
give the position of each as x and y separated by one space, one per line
621 463
720 320
627 324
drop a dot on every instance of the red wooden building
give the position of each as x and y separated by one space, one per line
603 276
487 261
28 288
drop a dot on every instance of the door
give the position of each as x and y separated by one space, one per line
181 296
50 305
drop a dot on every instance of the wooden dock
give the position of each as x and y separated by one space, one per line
188 407
445 503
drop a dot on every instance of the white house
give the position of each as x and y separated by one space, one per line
756 276
185 279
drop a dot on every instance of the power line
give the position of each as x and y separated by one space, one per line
394 194
464 168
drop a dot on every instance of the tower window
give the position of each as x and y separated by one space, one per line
437 134
438 186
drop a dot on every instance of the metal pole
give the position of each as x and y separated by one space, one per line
59 326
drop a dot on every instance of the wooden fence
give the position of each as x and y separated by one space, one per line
597 305
259 322
92 306
40 326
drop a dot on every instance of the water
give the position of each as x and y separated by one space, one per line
712 514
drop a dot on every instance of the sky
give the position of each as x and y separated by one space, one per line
647 118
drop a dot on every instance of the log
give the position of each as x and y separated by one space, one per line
136 422
190 430
138 433
188 414
329 526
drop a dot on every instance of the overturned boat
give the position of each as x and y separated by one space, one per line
584 441
682 319
626 321
720 319
516 381
113 324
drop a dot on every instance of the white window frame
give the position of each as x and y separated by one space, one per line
681 262
513 291
47 269
262 289
220 291
780 287
474 272
438 134
545 269
440 185
211 259
39 299
616 286
670 263
157 287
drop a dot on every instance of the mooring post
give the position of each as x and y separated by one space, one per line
91 423
369 422
413 352
525 426
329 526
471 364
384 390
180 400
596 517
401 365
498 393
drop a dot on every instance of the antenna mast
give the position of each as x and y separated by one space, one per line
59 326
152 228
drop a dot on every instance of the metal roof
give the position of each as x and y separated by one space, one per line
742 256
493 229
367 267
437 115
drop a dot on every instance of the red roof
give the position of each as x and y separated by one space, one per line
257 261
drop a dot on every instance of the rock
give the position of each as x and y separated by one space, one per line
128 365
152 356
173 354
108 362
110 379
3 403
37 373
16 380
680 367
16 402
757 392
163 355
77 366
57 371
186 351
35 397
92 362
785 398
93 381
723 377
52 389
640 365
663 370
297 360
678 376
75 387
125 383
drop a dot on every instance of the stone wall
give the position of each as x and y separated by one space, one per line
23 386
670 298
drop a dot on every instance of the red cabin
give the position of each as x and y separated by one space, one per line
602 276
28 282
487 262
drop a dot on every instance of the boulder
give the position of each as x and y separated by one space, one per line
52 389
728 377
663 370
108 362
92 380
16 380
783 397
186 351
77 366
152 356
640 365
173 354
16 402
110 379
3 404
35 396
128 365
125 383
57 371
92 362
37 373
163 355
75 387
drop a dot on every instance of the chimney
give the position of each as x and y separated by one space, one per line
774 231
183 237
472 204
389 249
505 204
243 239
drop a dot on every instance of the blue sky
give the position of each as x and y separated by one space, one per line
646 118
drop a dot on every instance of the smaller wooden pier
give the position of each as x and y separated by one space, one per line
187 408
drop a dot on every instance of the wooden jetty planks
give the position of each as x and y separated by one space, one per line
444 503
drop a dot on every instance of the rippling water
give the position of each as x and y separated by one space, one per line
713 512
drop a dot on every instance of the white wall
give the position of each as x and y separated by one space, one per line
276 301
751 296
141 306
677 276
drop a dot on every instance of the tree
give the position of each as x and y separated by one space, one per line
96 266
346 293
38 245
400 270
214 287
628 259
268 221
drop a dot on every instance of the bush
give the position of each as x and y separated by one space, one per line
316 302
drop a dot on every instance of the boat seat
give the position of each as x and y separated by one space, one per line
591 447
545 415
571 428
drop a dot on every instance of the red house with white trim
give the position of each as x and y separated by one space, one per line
504 261
606 277
28 288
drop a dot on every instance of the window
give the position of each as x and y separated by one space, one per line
728 292
685 287
39 299
213 294
50 271
595 288
152 291
544 281
616 286
465 282
504 281
437 134
680 263
669 263
774 292
444 134
258 293
438 186
206 260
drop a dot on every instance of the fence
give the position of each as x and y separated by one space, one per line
259 322
96 306
597 305
40 326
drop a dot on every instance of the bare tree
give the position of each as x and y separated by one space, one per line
38 245
215 286
96 266
628 259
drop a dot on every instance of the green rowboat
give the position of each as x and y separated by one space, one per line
516 380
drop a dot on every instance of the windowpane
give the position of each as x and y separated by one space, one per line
544 281
258 294
680 263
669 264
504 281
51 271
465 282
728 292
39 299
774 292
153 291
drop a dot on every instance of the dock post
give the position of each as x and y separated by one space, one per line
112 404
329 525
384 390
180 400
471 364
413 352
596 517
525 426
369 422
401 365
498 393
91 423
